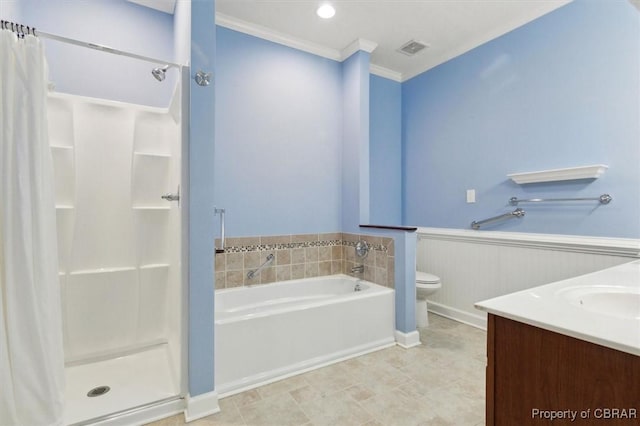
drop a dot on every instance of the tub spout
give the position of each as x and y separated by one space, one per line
357 269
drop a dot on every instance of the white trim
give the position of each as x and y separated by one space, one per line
201 406
407 340
625 247
478 321
268 34
277 37
357 45
385 73
265 33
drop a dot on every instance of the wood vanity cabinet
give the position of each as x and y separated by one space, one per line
531 369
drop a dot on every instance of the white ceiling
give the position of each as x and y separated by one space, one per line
450 27
166 6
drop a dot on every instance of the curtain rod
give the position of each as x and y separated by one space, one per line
22 30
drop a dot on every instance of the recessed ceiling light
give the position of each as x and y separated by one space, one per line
326 11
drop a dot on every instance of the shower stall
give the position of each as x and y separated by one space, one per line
117 181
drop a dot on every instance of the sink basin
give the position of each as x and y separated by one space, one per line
616 301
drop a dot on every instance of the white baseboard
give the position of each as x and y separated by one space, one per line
478 321
407 340
201 406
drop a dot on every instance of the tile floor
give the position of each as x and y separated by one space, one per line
438 383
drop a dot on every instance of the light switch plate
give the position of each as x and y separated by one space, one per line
471 195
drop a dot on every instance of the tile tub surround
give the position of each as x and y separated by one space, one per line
302 256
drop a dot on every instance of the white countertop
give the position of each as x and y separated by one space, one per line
602 307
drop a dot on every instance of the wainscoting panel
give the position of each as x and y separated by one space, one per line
475 266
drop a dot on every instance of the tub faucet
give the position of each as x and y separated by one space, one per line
357 269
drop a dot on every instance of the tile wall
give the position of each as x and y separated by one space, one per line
302 256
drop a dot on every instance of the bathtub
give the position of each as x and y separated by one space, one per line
268 332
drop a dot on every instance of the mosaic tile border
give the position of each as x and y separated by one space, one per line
303 244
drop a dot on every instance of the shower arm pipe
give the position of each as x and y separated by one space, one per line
603 199
516 213
221 212
254 273
102 48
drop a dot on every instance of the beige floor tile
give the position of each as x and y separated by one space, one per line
244 398
336 409
373 423
429 373
381 378
359 392
286 385
330 379
439 421
177 420
393 409
305 393
276 410
456 415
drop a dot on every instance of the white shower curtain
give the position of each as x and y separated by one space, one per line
31 352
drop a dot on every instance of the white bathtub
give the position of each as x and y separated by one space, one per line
269 332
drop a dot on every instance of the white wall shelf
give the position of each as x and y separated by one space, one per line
64 207
553 175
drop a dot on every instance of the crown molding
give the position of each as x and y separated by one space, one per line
385 73
265 33
357 45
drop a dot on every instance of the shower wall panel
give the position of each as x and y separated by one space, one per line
103 234
118 270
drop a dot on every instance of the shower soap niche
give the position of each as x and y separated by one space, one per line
553 175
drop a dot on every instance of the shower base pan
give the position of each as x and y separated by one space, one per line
96 390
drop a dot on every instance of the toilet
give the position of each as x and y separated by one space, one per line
426 284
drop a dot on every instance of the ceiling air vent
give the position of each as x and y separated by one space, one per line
412 47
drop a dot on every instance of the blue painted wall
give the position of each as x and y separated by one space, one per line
278 138
202 225
355 142
561 91
114 23
385 151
